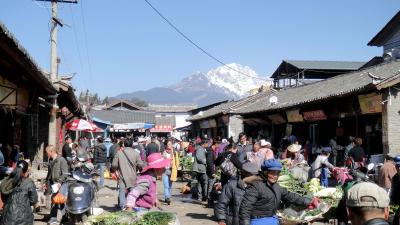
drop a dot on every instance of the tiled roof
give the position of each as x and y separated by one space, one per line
171 108
227 107
387 31
7 37
119 116
165 120
325 65
325 89
114 103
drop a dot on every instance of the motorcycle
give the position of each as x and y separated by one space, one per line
80 189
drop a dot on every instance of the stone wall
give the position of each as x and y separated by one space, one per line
391 121
235 126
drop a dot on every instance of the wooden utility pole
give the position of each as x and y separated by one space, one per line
53 67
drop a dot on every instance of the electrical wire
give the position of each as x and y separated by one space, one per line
76 38
197 45
86 42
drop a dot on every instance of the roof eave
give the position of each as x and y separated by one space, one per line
382 35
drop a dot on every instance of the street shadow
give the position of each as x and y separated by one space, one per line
111 187
200 216
186 199
109 208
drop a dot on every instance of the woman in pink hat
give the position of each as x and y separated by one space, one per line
143 195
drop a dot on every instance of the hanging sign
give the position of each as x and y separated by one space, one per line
370 103
212 123
314 115
161 129
294 116
276 119
204 124
225 118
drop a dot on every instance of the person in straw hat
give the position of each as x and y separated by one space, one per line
143 196
266 147
294 155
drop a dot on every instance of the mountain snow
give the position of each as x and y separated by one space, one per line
229 80
232 79
222 83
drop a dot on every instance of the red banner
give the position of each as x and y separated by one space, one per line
314 115
161 129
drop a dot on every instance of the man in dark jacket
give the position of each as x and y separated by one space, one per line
243 147
262 198
199 166
153 147
100 158
367 204
394 191
67 150
227 209
210 158
56 175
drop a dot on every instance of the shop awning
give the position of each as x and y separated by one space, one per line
132 126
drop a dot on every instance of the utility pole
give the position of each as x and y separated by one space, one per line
54 67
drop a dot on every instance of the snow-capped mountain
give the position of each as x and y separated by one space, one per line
228 78
222 83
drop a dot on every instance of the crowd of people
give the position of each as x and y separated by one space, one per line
244 175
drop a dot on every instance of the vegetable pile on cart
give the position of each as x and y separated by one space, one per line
133 218
329 197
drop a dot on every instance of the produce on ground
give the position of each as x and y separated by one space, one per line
132 218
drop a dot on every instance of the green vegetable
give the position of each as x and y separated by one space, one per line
393 209
156 218
132 218
313 212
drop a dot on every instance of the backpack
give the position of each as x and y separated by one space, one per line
227 167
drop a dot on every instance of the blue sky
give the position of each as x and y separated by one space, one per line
130 48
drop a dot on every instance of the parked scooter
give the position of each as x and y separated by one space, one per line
80 190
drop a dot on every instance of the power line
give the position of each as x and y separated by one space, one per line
198 46
86 42
76 38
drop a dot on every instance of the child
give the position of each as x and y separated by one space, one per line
143 196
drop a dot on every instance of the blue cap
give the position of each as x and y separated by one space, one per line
271 164
327 149
396 159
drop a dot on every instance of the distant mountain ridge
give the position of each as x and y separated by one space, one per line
202 89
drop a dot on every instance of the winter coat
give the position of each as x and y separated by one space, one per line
100 154
234 159
18 201
210 158
152 148
58 170
125 170
263 200
242 151
67 152
227 208
395 193
200 160
357 153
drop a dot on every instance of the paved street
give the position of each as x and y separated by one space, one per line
189 211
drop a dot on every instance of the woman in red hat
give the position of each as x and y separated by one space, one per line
143 195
